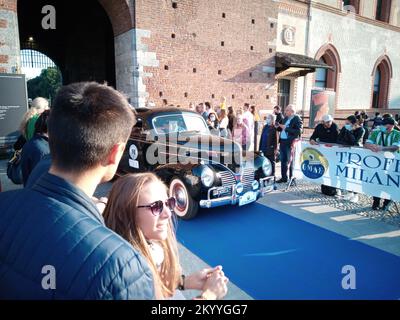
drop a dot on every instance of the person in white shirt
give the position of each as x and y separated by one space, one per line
248 119
223 125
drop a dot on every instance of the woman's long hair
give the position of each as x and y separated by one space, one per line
120 216
39 105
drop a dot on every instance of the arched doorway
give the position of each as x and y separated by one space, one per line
43 76
82 45
381 75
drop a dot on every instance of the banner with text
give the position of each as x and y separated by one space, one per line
350 168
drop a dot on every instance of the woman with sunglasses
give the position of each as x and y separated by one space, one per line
140 211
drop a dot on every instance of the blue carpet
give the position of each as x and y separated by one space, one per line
271 255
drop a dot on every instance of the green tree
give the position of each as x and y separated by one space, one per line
45 85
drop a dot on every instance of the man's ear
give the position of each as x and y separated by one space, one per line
116 153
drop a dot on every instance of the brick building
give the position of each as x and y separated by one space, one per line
153 50
359 39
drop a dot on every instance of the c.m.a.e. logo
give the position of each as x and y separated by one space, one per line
313 163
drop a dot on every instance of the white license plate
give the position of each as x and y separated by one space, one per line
247 198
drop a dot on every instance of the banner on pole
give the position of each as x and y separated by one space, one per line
350 168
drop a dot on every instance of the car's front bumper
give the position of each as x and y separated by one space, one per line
266 185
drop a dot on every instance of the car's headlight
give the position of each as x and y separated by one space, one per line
255 184
239 188
267 167
207 177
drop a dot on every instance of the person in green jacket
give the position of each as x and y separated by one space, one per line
384 139
27 126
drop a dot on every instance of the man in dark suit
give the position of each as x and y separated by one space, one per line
278 114
290 130
269 140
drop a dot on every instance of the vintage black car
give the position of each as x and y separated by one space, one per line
200 168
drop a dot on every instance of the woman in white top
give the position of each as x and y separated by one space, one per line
223 125
140 211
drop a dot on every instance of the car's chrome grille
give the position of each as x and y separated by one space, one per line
227 178
247 176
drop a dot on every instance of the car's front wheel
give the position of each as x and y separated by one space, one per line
186 207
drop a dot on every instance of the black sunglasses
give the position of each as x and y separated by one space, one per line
158 206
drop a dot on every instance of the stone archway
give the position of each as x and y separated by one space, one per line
109 57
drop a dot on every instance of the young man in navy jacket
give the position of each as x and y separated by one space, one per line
53 241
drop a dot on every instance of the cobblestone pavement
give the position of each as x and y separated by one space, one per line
363 207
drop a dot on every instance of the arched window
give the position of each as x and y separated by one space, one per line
381 74
329 78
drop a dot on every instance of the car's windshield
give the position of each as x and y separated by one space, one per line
179 123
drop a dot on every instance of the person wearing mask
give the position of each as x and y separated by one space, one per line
269 140
248 119
141 212
326 132
213 123
36 148
241 132
351 134
290 130
385 139
278 114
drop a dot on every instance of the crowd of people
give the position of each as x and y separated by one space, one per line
378 134
55 222
278 135
125 247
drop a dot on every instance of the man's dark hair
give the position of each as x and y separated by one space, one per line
41 122
86 121
387 115
246 105
208 105
277 108
352 119
377 114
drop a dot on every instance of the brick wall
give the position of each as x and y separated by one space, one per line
9 5
9 39
193 65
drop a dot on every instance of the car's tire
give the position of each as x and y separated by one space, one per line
186 207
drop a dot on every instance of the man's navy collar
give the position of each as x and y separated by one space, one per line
64 191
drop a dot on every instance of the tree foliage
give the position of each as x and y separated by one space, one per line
45 85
